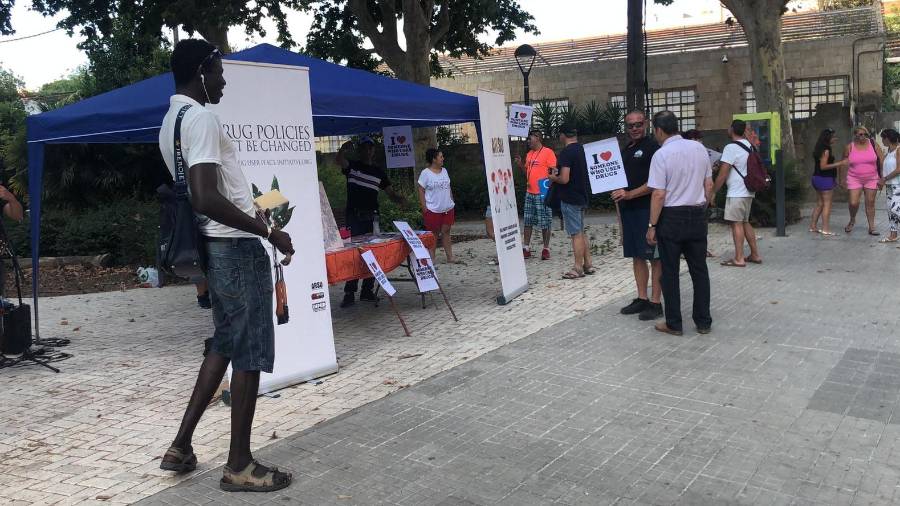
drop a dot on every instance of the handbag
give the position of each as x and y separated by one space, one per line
15 334
180 245
552 199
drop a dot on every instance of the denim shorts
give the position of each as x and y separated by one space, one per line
635 223
573 218
240 288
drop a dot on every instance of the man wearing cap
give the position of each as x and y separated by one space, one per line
364 181
538 162
571 182
634 211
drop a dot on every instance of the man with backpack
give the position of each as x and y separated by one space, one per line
740 169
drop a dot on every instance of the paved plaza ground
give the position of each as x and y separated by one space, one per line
553 398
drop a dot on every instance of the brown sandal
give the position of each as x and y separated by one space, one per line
254 478
178 460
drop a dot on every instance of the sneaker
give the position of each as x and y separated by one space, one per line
545 254
704 330
349 300
367 296
651 312
204 301
526 253
636 306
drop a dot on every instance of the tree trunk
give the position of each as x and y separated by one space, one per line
635 91
215 35
761 21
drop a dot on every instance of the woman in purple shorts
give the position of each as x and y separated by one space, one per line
823 180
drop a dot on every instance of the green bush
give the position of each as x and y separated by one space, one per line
126 229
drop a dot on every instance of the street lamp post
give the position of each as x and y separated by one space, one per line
525 55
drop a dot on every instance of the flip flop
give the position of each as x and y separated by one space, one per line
710 254
815 231
731 263
874 232
573 275
886 240
826 233
759 262
590 271
849 227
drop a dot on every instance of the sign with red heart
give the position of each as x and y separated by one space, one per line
519 120
606 155
606 171
398 147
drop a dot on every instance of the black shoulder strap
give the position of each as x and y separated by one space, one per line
743 146
180 181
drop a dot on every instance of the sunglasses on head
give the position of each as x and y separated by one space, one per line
214 53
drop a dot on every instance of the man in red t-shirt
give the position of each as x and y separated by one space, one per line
538 162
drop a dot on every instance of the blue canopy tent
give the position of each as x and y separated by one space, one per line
344 101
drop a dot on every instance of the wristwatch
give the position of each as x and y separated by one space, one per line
650 225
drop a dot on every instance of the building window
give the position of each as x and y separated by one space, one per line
807 94
331 143
681 101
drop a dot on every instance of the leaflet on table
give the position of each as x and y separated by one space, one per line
378 273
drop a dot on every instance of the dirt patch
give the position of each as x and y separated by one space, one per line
76 279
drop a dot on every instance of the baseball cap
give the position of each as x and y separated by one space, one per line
365 139
568 129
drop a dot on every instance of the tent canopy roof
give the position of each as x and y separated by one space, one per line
344 101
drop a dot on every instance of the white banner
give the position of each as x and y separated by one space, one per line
423 270
519 120
398 147
375 268
412 239
502 192
273 135
605 168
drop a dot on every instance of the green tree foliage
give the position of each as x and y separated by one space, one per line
833 5
96 19
341 27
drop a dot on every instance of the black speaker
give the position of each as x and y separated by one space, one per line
16 335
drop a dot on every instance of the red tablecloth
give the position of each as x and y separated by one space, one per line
346 264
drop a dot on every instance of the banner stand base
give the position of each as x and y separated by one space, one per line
503 300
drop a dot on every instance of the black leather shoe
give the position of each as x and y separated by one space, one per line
349 300
204 301
636 306
367 296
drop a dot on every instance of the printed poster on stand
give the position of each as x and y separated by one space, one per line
426 276
379 275
412 238
272 134
606 171
398 147
502 192
519 120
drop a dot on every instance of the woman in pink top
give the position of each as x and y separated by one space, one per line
863 175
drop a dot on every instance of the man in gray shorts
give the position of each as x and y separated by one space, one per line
239 269
739 200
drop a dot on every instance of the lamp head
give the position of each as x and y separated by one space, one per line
525 55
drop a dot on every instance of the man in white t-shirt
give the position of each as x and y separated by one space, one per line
738 201
239 268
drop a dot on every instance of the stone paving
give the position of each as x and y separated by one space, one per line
94 433
793 399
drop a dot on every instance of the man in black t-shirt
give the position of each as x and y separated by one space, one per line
571 182
364 181
634 211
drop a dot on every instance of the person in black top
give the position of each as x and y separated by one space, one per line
634 210
364 181
823 180
571 182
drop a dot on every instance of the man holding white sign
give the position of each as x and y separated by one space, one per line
634 210
194 144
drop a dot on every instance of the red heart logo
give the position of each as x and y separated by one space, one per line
606 155
523 115
401 139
